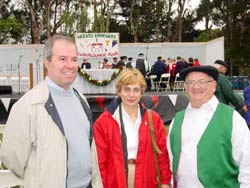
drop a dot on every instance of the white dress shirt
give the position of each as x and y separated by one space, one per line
132 131
194 124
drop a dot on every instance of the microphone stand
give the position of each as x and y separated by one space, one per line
147 60
38 70
19 74
147 53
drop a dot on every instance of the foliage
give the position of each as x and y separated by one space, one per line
11 30
74 21
205 36
232 17
95 82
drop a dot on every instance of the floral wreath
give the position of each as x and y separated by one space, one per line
95 82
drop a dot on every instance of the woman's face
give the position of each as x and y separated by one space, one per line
130 94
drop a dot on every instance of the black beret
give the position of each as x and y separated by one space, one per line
211 71
220 62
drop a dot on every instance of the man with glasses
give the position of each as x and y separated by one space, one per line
224 90
208 142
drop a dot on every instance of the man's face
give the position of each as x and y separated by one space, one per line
200 88
223 70
63 66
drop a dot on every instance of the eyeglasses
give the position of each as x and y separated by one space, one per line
201 82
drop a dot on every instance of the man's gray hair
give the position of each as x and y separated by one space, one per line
49 44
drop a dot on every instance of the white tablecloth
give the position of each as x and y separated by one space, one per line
85 87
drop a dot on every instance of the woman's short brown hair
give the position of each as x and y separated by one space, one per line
130 76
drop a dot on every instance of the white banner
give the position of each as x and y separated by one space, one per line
97 45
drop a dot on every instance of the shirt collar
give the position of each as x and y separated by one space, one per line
211 104
57 87
138 119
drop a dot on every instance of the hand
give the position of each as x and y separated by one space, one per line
244 108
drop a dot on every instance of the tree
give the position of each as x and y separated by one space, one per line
103 12
11 31
169 20
204 10
233 17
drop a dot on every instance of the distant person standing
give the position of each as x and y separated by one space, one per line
190 62
106 64
141 64
85 64
171 69
196 63
247 103
224 90
129 64
159 67
114 64
122 62
180 65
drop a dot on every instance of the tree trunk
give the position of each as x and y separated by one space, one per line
169 19
109 13
35 31
158 16
47 17
181 12
132 25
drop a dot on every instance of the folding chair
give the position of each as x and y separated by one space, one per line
154 83
164 84
178 83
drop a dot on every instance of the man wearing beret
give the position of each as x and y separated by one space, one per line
224 90
208 142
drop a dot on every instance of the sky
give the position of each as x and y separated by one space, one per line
194 4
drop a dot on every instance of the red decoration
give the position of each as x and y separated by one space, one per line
155 99
100 101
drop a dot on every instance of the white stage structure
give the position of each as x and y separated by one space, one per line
16 59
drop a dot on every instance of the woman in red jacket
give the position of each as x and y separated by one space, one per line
124 152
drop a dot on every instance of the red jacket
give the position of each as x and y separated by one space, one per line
171 69
107 137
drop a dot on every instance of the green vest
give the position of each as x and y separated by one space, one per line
215 164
